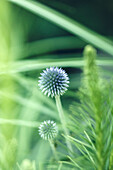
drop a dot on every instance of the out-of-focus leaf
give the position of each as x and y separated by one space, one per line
67 24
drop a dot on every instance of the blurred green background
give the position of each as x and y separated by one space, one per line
30 43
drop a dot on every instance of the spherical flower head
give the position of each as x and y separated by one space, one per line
53 81
48 130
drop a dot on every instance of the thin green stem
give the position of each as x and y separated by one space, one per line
111 161
60 166
18 166
63 121
53 149
99 142
111 154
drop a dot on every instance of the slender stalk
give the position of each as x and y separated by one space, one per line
63 121
33 124
111 154
18 166
53 149
96 96
111 161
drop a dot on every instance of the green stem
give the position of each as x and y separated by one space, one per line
99 142
62 119
96 97
111 154
111 161
53 149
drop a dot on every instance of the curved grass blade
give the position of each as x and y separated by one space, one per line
49 45
33 124
29 65
67 24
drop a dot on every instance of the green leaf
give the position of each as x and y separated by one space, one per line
29 65
67 24
49 45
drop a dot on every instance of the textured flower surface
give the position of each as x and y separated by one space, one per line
48 130
53 81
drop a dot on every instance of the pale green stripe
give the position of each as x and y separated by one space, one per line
23 66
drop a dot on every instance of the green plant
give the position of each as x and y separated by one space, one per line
48 131
30 44
94 115
54 82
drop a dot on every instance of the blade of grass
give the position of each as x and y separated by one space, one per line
78 141
30 84
67 24
36 106
29 65
90 157
18 166
74 162
60 166
45 46
89 140
33 124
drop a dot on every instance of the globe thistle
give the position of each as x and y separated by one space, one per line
53 81
48 130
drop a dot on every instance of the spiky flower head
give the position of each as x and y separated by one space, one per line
48 130
53 81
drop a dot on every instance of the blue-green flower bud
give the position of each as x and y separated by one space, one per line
53 81
48 130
